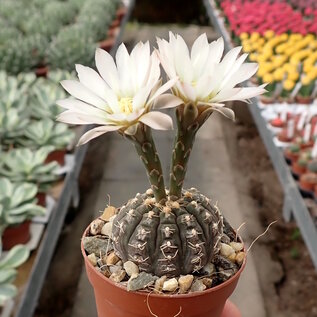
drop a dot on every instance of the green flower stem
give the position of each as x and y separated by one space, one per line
189 119
146 149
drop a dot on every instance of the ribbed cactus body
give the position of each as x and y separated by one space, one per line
178 238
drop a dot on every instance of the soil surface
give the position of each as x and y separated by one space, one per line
293 292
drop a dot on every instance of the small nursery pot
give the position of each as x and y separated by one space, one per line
291 156
298 169
58 156
41 199
308 181
303 100
13 235
113 300
267 100
41 71
107 44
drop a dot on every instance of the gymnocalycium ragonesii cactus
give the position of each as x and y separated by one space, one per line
175 231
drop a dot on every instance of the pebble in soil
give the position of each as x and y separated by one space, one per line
99 248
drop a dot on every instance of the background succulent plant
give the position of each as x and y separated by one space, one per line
16 257
47 132
12 125
17 203
71 46
69 28
25 165
43 96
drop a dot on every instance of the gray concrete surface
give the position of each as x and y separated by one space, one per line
209 170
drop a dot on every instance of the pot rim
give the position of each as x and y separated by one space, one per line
181 296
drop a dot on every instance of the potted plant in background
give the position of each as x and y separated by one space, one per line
174 242
18 205
25 165
46 132
8 264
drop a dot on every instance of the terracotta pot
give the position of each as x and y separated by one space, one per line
267 100
58 156
13 235
306 186
121 12
41 71
291 156
115 23
298 169
113 32
113 300
303 100
107 44
307 145
41 199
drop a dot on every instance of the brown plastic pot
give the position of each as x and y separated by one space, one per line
298 169
107 44
121 12
304 100
41 71
291 156
308 181
13 235
41 199
113 300
113 32
58 156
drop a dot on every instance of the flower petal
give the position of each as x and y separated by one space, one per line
72 117
245 72
229 113
92 80
79 91
168 85
199 55
94 133
81 107
107 69
246 93
124 70
157 120
131 130
167 101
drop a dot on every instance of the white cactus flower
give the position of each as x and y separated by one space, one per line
121 95
205 78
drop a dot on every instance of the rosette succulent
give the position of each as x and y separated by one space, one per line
47 132
42 102
25 165
164 231
16 257
17 203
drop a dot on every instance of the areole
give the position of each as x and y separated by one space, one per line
113 300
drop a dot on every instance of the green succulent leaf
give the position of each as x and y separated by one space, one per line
7 291
16 256
7 275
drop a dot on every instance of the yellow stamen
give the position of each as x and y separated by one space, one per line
126 105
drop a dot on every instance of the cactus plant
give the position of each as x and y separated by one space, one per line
47 132
16 257
17 203
175 231
25 165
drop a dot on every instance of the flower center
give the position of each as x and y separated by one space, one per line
194 83
126 105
